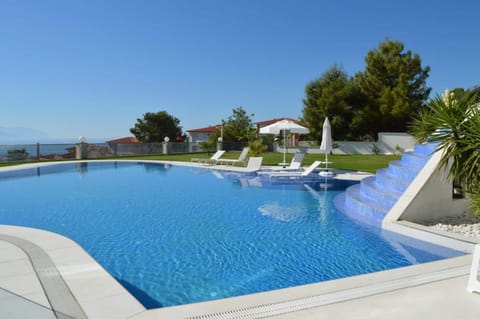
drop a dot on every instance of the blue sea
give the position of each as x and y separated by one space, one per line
31 149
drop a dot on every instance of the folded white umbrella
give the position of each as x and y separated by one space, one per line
326 146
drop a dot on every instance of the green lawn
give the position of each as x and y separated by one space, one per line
364 163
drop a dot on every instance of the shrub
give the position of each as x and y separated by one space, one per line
256 147
17 155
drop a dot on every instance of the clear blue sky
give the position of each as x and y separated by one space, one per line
91 68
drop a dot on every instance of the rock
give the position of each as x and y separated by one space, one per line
462 225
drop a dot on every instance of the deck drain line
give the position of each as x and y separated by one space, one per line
284 307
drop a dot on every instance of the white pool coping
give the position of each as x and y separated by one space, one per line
101 296
96 291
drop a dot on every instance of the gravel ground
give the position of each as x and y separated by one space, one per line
462 225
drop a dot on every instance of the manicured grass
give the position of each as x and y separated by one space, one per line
10 163
364 163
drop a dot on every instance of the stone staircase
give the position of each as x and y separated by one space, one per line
371 200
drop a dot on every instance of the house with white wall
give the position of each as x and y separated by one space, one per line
202 134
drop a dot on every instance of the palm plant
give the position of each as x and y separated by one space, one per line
256 147
208 145
454 123
471 167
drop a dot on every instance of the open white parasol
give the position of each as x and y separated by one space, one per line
284 125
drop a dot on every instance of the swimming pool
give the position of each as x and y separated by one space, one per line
174 235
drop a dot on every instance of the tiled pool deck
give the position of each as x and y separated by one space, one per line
40 270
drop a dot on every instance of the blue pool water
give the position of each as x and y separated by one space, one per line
174 235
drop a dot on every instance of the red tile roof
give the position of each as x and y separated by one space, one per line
209 129
129 139
265 123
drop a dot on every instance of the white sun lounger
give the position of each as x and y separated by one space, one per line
241 159
295 165
214 159
296 162
309 170
254 164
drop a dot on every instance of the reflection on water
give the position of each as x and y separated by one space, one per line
159 168
314 181
281 209
81 168
324 205
409 248
282 212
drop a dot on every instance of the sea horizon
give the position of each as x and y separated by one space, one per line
51 140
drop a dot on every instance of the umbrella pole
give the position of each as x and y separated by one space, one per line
326 161
284 146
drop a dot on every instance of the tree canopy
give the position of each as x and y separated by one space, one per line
330 95
381 98
239 126
394 84
154 127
